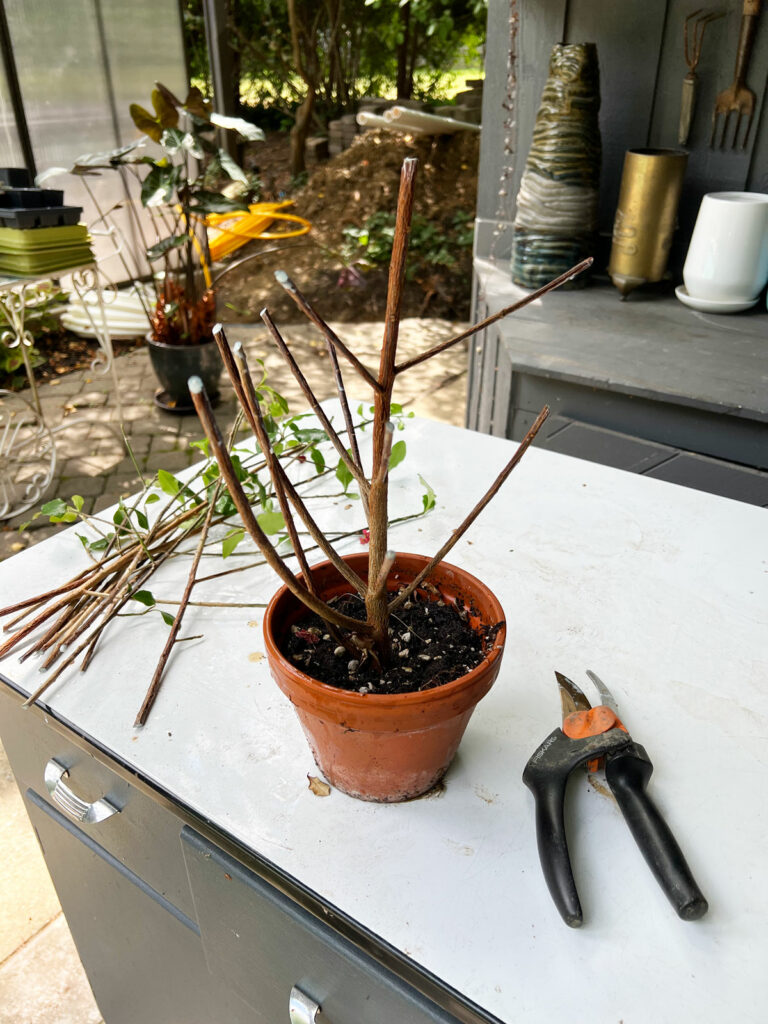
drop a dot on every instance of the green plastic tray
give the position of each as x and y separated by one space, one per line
20 239
44 263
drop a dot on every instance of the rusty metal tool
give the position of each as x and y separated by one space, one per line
693 39
737 98
589 734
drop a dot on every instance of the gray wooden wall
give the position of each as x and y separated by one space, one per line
640 49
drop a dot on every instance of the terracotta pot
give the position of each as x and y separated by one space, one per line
384 747
175 364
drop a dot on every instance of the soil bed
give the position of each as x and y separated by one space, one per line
432 644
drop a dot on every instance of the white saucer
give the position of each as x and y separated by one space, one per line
713 305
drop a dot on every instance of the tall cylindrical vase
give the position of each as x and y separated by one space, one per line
556 218
646 216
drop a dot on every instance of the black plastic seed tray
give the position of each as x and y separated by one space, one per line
42 217
16 177
31 198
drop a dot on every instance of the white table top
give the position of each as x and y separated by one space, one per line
663 591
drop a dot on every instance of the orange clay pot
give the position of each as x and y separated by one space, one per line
385 747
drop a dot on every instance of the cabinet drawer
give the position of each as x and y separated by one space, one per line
262 945
142 835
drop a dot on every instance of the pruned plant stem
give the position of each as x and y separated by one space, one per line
243 384
205 413
330 336
376 600
301 380
457 534
476 328
154 686
276 471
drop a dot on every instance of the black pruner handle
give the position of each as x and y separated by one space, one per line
628 772
546 775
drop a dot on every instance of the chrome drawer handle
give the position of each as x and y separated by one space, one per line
302 1008
73 805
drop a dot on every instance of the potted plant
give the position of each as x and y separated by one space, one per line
179 186
384 655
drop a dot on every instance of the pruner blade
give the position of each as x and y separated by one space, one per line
571 697
606 696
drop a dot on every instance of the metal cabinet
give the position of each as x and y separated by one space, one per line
171 928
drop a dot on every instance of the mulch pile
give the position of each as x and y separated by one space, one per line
343 192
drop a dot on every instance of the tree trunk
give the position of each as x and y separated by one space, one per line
300 131
404 80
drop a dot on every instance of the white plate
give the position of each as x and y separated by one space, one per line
713 305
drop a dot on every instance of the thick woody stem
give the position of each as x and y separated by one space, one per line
331 337
401 367
403 595
357 473
205 413
376 603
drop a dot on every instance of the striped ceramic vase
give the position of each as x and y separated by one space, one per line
556 217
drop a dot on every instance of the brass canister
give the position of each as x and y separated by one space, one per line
646 216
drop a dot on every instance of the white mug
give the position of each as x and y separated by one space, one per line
727 259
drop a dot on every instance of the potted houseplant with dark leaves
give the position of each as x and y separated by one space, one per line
383 654
180 187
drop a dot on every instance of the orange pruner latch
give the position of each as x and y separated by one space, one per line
592 722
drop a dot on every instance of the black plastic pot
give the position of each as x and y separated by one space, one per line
175 364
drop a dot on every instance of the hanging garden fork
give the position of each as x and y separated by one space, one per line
737 98
693 41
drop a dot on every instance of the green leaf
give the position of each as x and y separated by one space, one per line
237 124
230 542
159 185
204 445
206 201
165 245
225 506
428 499
168 619
151 499
142 520
271 522
102 543
167 114
343 475
309 435
145 122
172 140
231 167
144 597
397 455
168 482
78 502
195 104
57 507
395 408
119 517
318 458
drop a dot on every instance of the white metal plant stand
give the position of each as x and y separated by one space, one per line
27 444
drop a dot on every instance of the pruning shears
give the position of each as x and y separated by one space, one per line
596 736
